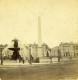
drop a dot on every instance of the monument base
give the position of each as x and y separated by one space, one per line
40 53
44 60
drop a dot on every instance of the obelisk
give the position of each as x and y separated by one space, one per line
39 32
39 38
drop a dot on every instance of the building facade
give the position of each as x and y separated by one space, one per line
67 49
54 51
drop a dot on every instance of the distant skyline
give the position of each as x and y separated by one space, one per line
19 19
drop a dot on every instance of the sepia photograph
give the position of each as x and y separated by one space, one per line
38 39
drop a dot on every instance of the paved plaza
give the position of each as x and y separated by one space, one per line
67 70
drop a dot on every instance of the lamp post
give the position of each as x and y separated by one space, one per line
30 62
59 55
51 59
1 48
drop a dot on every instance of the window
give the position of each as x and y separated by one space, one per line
76 47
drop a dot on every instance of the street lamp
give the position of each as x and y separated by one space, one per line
1 48
30 62
59 55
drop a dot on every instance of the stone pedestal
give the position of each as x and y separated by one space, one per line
45 60
40 53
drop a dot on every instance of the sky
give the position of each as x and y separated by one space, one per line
19 19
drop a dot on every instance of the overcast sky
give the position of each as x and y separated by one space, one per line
19 19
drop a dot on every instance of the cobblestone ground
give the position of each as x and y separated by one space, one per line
60 71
